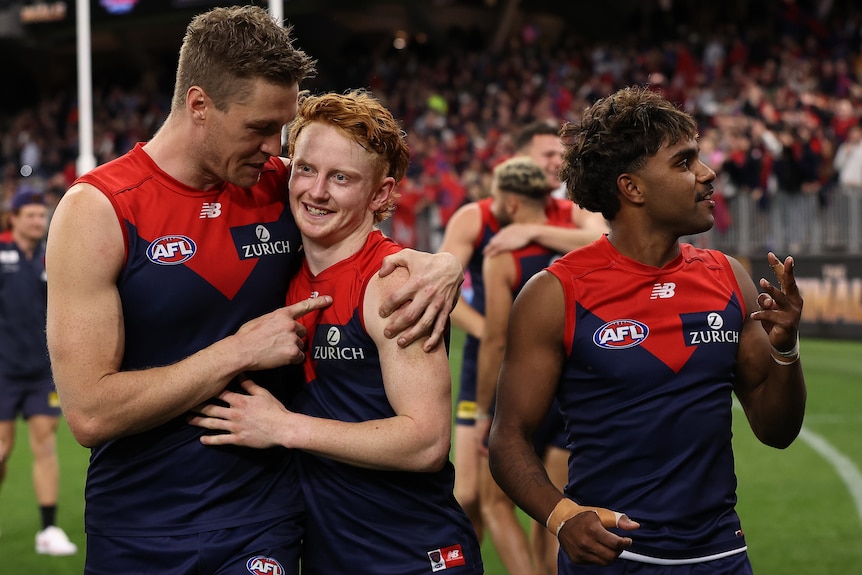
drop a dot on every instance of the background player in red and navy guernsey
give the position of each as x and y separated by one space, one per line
167 272
473 233
374 419
520 192
643 341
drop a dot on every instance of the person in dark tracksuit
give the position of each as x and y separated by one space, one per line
26 385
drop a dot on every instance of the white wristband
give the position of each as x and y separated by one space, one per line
788 357
782 362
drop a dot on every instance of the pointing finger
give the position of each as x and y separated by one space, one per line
305 306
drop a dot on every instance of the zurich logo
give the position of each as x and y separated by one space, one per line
262 233
171 250
260 565
620 334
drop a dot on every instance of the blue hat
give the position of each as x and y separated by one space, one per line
26 196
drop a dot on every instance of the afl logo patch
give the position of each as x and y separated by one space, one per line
260 565
620 334
171 250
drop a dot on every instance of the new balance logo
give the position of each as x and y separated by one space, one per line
211 210
663 291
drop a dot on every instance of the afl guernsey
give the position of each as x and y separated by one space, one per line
198 265
559 213
367 520
646 392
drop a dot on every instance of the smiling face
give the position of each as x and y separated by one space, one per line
240 139
335 188
676 189
547 151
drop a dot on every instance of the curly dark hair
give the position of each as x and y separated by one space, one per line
616 135
363 119
224 48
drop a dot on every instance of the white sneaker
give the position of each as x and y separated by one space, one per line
53 541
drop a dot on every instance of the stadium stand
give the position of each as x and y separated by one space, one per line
776 87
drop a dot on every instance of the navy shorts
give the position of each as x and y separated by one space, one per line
28 397
266 548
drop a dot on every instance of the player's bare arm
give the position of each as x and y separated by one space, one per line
459 239
86 335
417 386
498 273
770 383
589 227
421 306
528 377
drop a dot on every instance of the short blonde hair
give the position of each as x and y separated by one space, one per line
523 176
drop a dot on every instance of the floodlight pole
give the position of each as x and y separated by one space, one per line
86 160
276 8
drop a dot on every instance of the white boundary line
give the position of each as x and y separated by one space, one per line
845 467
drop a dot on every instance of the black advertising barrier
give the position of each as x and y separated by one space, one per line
831 286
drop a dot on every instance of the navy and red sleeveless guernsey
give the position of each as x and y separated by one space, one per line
646 392
198 265
367 520
559 213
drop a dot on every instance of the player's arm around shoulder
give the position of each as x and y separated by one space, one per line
418 385
770 386
587 220
588 227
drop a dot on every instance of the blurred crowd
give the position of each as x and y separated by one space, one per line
778 101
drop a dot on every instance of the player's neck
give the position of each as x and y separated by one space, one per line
652 250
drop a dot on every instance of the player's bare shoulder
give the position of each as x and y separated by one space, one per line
376 292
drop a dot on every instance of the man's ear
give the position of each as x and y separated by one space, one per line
197 102
513 204
627 185
381 195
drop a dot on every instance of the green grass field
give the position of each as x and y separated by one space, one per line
800 507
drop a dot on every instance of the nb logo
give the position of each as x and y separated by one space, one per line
663 291
210 210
